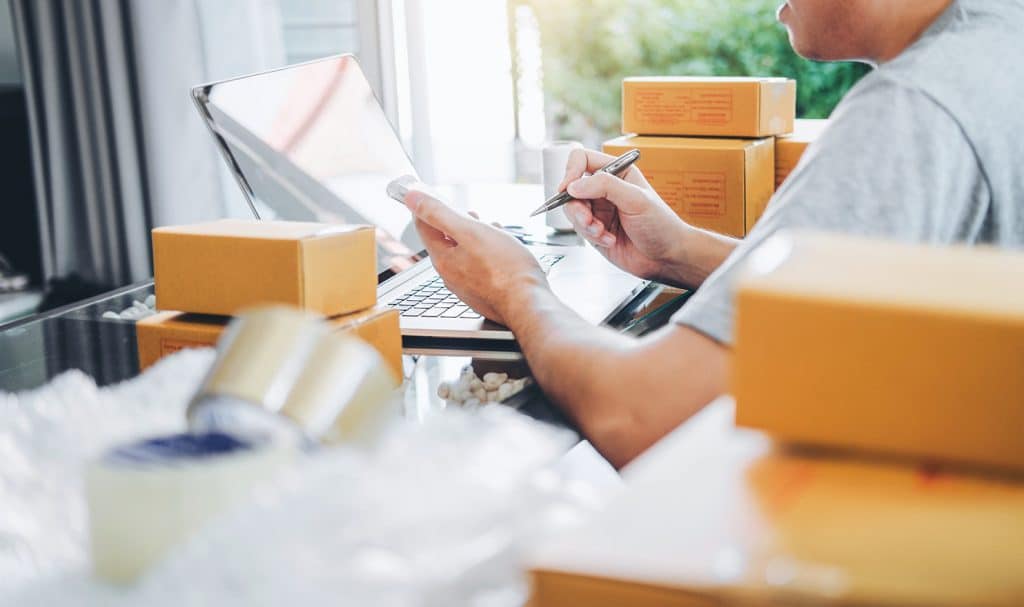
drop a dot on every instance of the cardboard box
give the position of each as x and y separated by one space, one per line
168 332
715 107
722 185
790 148
223 266
712 515
165 333
911 351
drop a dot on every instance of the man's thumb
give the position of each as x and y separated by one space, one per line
436 214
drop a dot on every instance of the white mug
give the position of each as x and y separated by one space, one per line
555 157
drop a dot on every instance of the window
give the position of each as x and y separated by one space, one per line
316 28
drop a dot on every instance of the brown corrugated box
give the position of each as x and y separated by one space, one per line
168 332
913 351
713 515
721 185
716 107
223 266
790 148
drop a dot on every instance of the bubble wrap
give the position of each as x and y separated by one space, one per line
438 513
47 435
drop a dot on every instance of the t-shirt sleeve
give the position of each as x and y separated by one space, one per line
892 163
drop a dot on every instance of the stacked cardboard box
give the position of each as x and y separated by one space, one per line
876 461
879 347
207 272
714 515
707 144
789 149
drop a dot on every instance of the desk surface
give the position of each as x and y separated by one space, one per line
35 349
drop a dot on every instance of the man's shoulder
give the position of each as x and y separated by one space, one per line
883 110
964 62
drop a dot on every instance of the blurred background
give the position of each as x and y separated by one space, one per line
101 141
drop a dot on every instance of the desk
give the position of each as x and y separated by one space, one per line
35 349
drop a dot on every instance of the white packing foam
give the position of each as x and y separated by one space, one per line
437 514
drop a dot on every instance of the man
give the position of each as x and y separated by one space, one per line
927 148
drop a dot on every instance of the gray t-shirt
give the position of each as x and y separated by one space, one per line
928 148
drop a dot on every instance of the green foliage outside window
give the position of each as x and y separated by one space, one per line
589 46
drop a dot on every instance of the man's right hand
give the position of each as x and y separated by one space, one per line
623 217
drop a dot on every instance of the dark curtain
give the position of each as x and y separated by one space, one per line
78 65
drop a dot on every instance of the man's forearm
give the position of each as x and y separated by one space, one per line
698 254
623 393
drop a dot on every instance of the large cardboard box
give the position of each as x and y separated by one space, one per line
713 515
722 185
790 148
223 266
168 332
715 107
911 351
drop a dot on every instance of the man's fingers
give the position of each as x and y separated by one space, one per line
440 216
588 226
582 162
579 213
582 219
626 197
578 165
433 238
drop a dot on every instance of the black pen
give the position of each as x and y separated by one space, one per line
615 167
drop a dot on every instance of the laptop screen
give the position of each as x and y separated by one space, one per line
311 143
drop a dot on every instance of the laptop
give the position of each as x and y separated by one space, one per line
310 142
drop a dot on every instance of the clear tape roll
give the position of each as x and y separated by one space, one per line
145 498
260 356
343 393
284 376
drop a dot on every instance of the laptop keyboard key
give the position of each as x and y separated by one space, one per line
432 299
454 312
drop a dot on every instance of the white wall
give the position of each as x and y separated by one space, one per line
9 72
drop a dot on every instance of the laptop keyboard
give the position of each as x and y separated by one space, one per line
433 300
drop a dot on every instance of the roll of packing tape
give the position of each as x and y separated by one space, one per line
261 355
146 497
282 376
555 157
343 393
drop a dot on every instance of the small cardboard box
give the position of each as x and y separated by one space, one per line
790 148
167 332
224 266
721 185
710 107
911 351
712 515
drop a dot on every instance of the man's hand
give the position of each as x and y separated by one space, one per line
622 216
486 267
626 220
623 393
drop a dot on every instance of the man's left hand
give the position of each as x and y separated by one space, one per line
485 266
